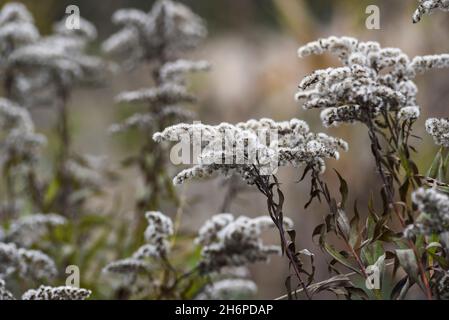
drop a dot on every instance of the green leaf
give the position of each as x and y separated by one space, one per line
344 190
408 262
89 221
445 165
51 192
355 234
403 190
400 289
404 162
434 167
339 257
343 224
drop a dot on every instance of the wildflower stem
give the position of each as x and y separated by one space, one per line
375 148
275 211
323 189
390 195
64 152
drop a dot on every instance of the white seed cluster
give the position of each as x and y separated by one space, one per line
175 71
29 264
4 293
409 113
165 106
9 259
157 234
228 289
36 265
168 29
85 32
127 266
252 148
439 130
428 7
159 36
47 69
441 287
233 242
27 230
371 81
57 293
166 94
88 170
139 121
146 251
19 138
16 29
433 207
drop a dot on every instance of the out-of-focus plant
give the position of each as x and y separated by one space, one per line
157 38
226 246
47 293
22 267
20 144
38 72
44 73
20 148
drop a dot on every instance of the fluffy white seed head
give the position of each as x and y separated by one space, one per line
86 31
428 7
175 71
4 293
146 251
433 207
228 289
55 63
234 242
36 265
16 29
129 266
20 143
57 293
167 94
15 11
29 264
158 232
439 130
168 29
252 148
441 285
409 113
372 81
28 230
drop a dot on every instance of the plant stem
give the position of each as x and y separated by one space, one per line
390 195
323 189
275 211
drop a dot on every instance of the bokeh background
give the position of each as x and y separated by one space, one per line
252 46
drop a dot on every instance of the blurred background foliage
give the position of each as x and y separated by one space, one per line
252 47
